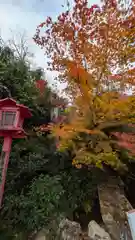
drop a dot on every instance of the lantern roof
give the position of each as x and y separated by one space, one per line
9 102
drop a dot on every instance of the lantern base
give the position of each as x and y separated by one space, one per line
17 133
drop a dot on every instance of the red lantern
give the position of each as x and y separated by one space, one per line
12 116
41 84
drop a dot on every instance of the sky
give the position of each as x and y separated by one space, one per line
19 16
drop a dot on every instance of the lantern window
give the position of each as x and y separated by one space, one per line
8 118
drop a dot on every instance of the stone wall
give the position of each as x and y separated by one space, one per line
113 206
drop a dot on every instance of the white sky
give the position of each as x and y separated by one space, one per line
25 15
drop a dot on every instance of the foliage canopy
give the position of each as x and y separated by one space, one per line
93 49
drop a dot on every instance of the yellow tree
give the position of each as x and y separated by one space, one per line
93 50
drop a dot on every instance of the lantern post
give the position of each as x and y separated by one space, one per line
12 116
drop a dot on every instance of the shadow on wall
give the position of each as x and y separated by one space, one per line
84 218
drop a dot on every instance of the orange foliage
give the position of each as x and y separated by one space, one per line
93 50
